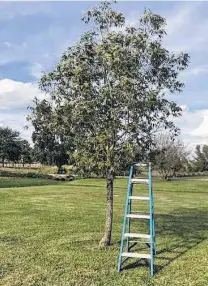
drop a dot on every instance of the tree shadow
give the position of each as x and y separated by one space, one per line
186 192
177 233
94 186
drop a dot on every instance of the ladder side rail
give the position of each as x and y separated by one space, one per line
153 218
131 174
151 221
128 218
154 236
153 224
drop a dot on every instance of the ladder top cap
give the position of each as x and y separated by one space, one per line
137 164
140 164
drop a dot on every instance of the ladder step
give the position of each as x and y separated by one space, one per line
137 235
139 242
140 181
139 198
136 255
138 216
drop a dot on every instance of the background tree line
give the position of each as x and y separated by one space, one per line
170 156
14 149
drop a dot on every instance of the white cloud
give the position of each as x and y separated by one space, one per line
198 70
202 130
8 44
193 125
184 107
16 121
17 95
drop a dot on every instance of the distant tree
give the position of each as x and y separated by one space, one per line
190 166
10 148
50 147
60 156
108 93
26 155
53 153
171 155
201 158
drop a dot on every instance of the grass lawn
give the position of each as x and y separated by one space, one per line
49 234
7 182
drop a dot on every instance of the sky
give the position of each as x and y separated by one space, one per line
33 35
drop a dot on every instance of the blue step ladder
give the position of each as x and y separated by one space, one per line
129 215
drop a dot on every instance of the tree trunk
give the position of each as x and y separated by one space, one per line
106 240
59 168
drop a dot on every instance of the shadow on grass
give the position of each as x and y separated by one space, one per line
182 231
125 188
179 191
95 186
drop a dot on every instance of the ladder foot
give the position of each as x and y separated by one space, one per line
151 269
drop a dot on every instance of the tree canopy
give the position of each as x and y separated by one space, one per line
12 147
201 158
107 93
50 146
171 155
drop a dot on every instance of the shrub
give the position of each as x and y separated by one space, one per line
23 175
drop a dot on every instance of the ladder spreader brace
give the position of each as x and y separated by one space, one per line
128 215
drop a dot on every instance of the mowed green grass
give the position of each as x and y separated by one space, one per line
49 235
8 182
